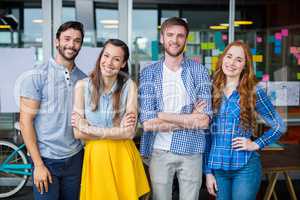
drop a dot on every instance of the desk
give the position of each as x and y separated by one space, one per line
276 162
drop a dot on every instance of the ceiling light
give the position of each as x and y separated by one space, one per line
218 27
109 21
37 21
111 26
243 22
5 26
235 24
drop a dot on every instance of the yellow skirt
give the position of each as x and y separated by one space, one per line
112 170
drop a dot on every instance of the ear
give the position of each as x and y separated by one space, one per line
161 38
56 43
123 65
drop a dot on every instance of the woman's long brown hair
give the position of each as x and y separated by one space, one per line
97 81
246 87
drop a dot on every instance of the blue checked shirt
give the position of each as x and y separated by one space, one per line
226 126
197 83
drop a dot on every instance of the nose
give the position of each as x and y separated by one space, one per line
231 61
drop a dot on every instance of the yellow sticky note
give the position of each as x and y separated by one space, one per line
214 59
298 76
214 66
211 45
191 37
257 58
204 45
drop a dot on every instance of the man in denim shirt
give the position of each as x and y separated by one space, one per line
45 117
170 92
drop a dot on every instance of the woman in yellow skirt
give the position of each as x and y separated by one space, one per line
105 116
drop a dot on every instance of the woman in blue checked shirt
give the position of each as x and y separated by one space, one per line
232 165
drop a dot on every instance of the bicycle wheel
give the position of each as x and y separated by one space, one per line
11 183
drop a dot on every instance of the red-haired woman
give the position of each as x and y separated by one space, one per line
105 115
232 165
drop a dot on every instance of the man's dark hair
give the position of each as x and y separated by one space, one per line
73 25
174 21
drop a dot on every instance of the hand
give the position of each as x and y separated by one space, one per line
79 122
41 178
129 120
244 144
199 107
211 184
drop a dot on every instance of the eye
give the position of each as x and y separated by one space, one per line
117 59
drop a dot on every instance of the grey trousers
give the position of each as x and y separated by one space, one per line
162 168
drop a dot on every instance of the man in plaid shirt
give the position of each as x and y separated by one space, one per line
175 109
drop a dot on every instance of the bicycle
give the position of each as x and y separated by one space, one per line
14 168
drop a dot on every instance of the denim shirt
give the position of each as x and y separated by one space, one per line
103 116
226 126
53 85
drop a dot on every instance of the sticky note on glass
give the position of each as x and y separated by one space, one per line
191 37
266 77
211 45
259 74
298 76
277 43
277 50
270 39
204 46
259 39
293 50
208 66
285 32
207 59
257 58
253 51
278 36
214 59
215 52
224 37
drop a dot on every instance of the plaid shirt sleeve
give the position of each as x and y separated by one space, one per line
204 90
206 169
267 111
147 96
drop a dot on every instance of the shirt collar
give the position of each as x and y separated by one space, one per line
182 64
61 67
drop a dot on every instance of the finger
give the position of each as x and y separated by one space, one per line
41 187
45 182
200 103
216 186
50 178
237 139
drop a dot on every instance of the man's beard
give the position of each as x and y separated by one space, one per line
61 51
174 54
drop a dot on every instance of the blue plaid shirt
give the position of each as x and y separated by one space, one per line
197 83
226 126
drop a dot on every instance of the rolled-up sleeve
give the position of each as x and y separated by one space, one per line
30 85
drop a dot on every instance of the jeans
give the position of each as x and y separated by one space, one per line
242 184
162 168
66 178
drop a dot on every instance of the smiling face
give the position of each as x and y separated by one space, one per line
173 40
234 62
112 60
69 44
